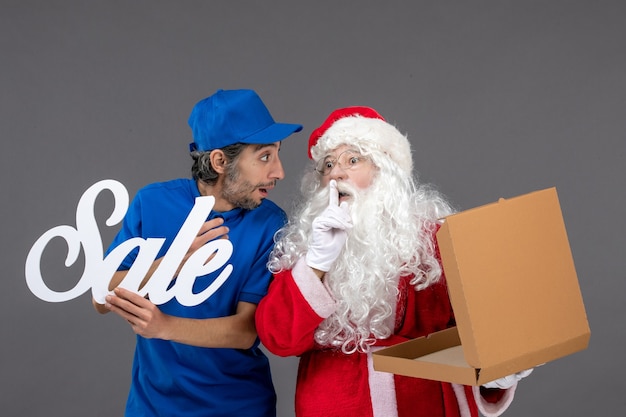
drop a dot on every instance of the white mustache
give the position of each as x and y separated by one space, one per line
347 189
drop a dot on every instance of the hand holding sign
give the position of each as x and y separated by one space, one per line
199 248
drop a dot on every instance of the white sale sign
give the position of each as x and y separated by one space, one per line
99 270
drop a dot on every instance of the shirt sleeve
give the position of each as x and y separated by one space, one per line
296 303
258 276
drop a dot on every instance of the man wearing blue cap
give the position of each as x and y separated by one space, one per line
204 360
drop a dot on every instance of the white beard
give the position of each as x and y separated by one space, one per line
364 279
390 238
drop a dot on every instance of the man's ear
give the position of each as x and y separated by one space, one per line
218 160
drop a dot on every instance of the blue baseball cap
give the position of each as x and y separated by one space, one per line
234 116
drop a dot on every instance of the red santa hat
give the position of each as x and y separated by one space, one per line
365 125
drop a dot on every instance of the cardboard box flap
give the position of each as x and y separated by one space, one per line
514 292
511 279
438 356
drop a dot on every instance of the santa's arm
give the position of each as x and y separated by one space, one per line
296 303
494 397
492 402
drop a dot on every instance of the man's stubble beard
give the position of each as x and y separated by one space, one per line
238 193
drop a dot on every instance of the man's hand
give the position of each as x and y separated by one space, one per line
210 230
143 316
329 232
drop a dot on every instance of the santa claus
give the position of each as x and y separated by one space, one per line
356 269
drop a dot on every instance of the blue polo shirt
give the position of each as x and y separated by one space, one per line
173 379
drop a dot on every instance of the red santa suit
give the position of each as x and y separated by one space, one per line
332 383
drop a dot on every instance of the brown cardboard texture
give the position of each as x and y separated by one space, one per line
514 292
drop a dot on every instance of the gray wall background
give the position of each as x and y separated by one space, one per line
499 99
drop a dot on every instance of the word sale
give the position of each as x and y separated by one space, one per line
99 270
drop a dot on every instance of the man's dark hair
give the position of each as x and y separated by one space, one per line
203 170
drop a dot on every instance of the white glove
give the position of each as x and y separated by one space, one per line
329 232
509 380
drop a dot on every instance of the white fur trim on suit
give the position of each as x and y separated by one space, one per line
370 133
382 390
461 399
494 409
313 290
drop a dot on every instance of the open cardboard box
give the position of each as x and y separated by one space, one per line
514 291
